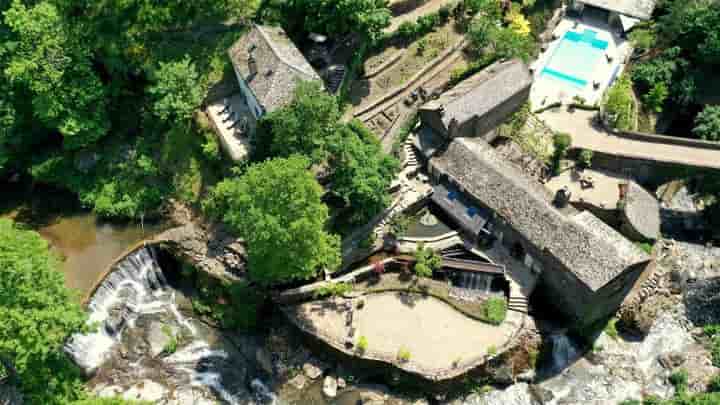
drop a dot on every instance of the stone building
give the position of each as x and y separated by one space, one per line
586 267
268 67
624 13
475 106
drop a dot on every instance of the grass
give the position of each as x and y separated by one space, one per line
645 247
333 289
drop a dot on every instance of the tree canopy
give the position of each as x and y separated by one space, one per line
276 208
38 314
176 92
339 17
707 124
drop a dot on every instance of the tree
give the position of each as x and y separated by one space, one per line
656 97
707 124
426 261
38 314
518 23
275 206
340 17
619 105
361 173
306 126
176 92
48 59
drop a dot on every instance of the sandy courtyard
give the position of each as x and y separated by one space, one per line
441 341
435 334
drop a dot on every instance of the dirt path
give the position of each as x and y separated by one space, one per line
430 7
586 135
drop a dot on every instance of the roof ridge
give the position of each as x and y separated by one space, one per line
279 55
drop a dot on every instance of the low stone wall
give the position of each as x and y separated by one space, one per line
668 140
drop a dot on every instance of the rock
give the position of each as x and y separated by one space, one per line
158 337
341 383
330 387
298 381
671 360
146 390
312 371
372 398
264 359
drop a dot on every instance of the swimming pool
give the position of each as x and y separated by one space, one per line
575 57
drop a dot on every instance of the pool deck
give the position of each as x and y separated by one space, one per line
548 90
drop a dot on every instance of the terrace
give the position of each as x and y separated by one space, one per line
582 61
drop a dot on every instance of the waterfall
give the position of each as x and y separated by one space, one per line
132 288
564 352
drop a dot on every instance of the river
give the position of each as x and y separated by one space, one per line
86 244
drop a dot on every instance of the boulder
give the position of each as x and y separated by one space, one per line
298 381
312 371
330 387
671 360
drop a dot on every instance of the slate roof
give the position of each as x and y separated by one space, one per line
482 92
641 9
280 65
584 245
642 211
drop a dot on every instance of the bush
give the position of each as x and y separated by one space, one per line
707 124
679 379
426 261
713 332
586 157
407 30
495 310
562 142
619 105
362 344
403 355
714 384
333 289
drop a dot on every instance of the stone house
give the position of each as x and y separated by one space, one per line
585 266
623 13
268 67
478 104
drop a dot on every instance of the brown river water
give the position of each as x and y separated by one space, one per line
86 244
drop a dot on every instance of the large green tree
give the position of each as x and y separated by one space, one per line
44 54
361 173
176 92
339 17
37 314
276 208
306 126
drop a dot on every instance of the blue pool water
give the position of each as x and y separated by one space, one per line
574 58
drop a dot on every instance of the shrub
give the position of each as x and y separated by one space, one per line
407 30
403 355
562 142
362 344
421 46
679 379
586 157
495 310
333 289
707 124
492 350
714 385
619 105
426 261
399 224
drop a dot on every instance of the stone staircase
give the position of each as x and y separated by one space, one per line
517 302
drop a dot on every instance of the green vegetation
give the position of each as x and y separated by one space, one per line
399 224
360 173
679 380
585 158
714 385
403 355
362 344
426 261
234 306
172 344
38 314
495 310
713 332
645 247
561 144
611 328
333 290
492 350
504 39
707 124
620 105
276 208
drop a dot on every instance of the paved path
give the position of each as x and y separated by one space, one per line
579 125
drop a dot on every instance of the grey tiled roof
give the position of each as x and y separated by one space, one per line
584 245
641 9
642 210
280 65
482 92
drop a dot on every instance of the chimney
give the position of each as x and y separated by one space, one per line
252 66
